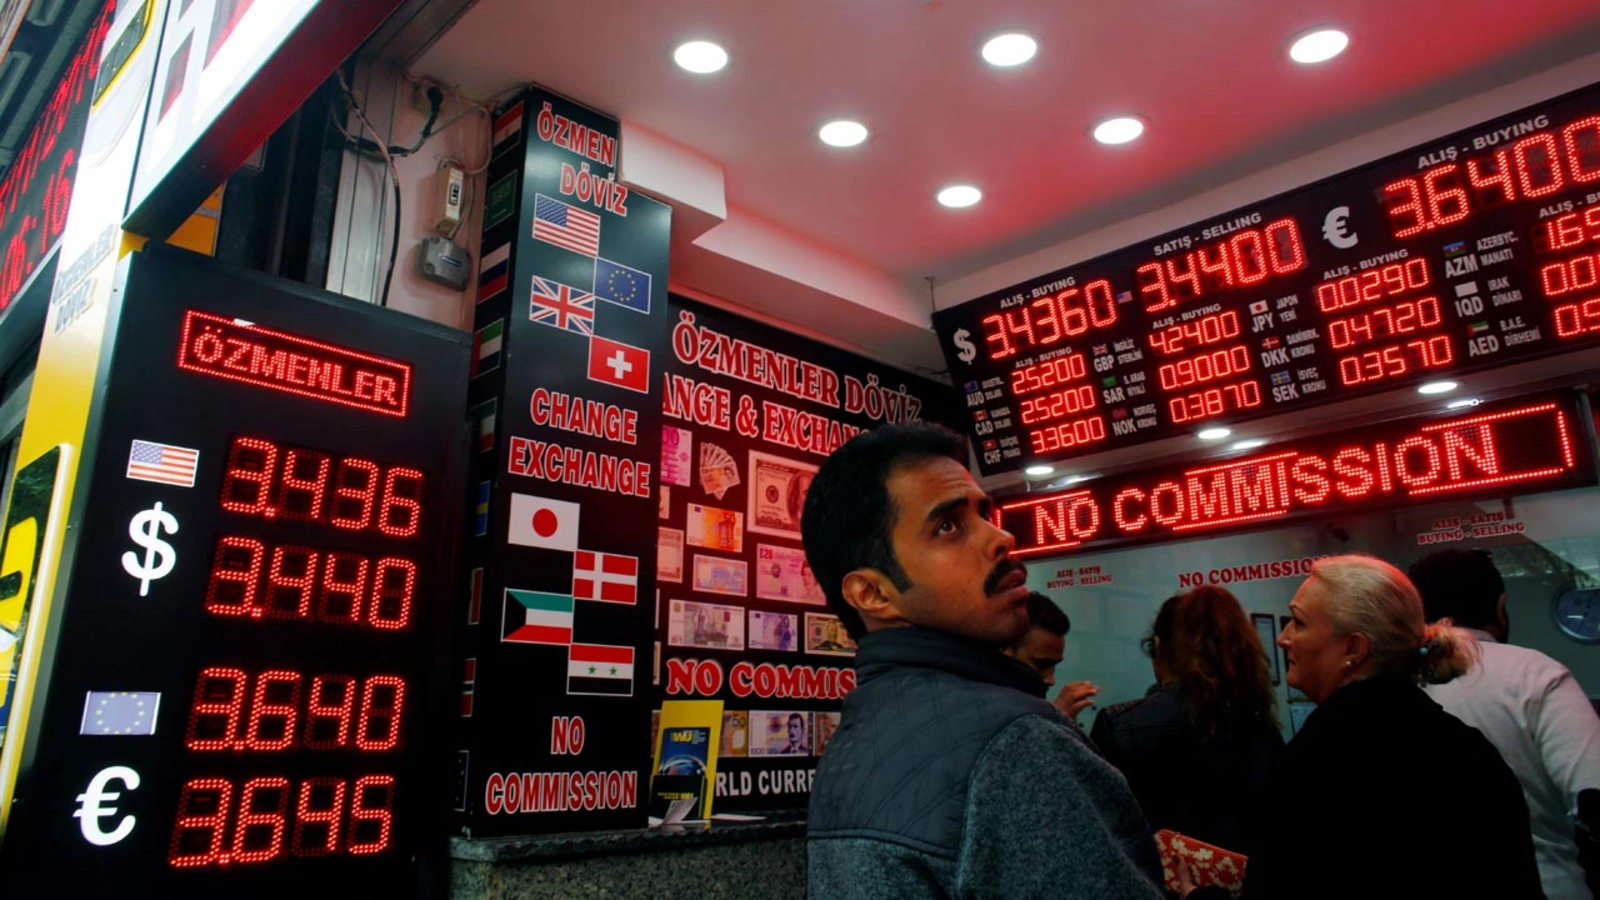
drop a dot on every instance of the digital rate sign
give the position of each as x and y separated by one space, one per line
1468 253
1522 446
253 635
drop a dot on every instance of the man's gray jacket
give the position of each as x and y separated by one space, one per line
951 776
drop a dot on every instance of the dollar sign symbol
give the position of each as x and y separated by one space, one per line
159 557
964 348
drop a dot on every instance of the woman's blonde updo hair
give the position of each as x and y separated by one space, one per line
1368 596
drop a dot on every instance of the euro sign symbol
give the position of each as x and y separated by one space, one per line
1333 228
146 529
964 348
90 812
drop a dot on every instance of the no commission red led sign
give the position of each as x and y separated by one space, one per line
1529 445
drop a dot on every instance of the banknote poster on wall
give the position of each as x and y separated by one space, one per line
750 413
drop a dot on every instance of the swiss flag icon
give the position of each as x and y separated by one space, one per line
620 364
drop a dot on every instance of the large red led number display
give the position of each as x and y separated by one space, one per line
234 711
1476 251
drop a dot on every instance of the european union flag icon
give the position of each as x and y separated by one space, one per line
120 712
480 513
616 283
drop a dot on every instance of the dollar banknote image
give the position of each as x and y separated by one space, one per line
778 489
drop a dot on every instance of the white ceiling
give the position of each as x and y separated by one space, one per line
1211 77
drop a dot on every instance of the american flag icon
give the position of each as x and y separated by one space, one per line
163 463
566 226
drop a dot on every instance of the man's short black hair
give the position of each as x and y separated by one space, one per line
1461 584
1044 613
849 514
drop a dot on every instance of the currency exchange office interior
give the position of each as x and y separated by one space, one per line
1210 292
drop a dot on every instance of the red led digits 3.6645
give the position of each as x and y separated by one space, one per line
1048 319
1248 258
276 481
258 822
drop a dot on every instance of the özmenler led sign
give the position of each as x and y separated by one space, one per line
1518 447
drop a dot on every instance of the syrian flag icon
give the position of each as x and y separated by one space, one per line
600 669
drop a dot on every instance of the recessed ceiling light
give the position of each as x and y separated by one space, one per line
700 57
1437 387
842 133
1039 470
1214 434
1250 444
1318 46
1463 403
1010 49
1119 130
957 196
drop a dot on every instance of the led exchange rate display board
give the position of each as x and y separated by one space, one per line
249 666
1471 252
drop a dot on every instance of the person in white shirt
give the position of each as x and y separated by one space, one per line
1526 704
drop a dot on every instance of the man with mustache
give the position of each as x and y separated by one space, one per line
950 774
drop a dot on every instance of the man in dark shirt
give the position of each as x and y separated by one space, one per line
950 775
1041 649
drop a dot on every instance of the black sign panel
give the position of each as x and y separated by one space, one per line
571 326
250 648
1465 254
751 413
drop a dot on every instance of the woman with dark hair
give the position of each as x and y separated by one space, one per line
1197 749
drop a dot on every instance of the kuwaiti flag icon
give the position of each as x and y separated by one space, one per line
600 669
535 617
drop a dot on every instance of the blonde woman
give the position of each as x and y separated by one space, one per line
1383 793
